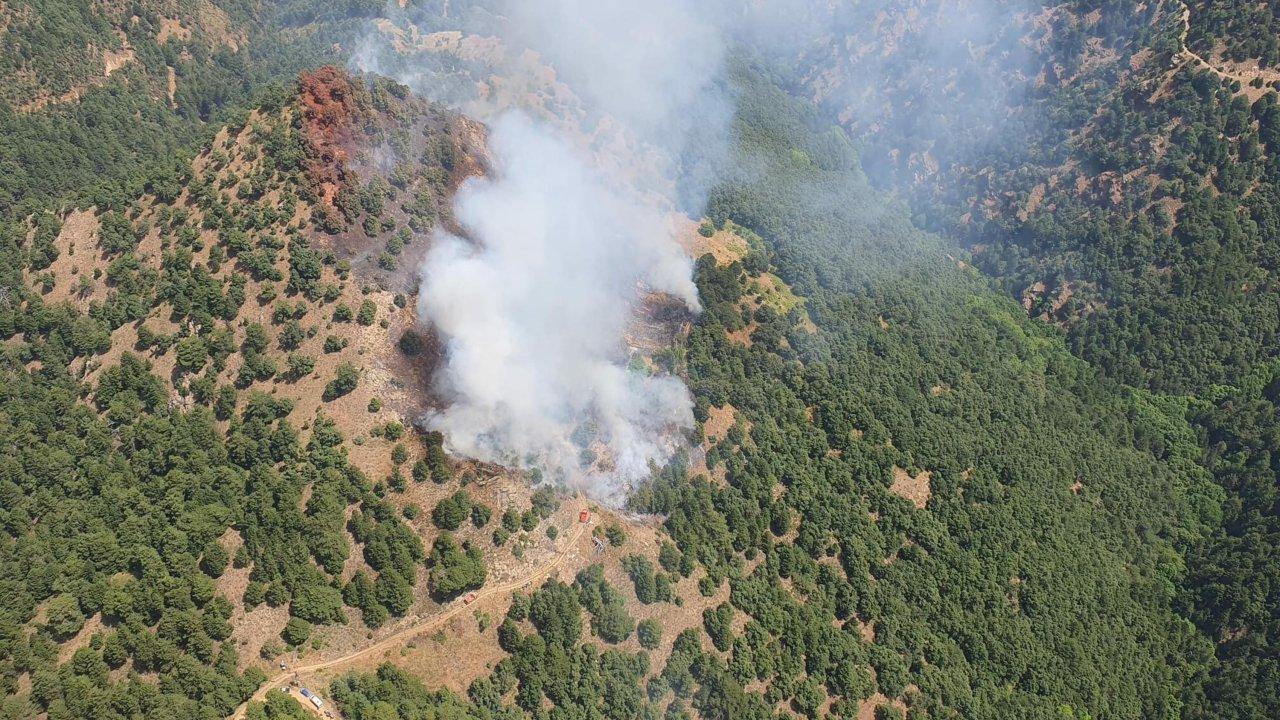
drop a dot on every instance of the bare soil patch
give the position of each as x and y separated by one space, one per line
725 246
92 626
78 257
719 419
867 710
171 28
113 60
915 489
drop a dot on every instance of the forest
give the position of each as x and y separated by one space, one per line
976 607
1137 212
1006 451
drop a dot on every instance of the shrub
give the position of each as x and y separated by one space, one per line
192 353
296 631
368 312
436 461
453 568
292 335
344 381
64 617
214 559
300 365
500 536
649 633
452 511
615 535
411 343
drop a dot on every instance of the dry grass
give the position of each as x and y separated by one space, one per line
867 710
113 60
716 428
78 257
724 245
915 489
172 28
719 419
92 626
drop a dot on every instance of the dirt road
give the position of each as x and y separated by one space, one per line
404 635
1244 78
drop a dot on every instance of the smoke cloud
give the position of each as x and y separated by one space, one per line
611 98
533 314
566 238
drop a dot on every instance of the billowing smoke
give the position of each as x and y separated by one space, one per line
572 229
565 239
534 310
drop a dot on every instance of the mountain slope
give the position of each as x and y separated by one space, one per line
916 499
207 376
1125 192
903 496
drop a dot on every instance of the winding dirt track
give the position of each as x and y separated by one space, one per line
1244 78
401 636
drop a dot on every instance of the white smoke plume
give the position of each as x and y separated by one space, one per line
533 314
562 242
572 228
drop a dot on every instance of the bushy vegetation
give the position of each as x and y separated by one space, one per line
455 567
1068 529
1039 579
1131 201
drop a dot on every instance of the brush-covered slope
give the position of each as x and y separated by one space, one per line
93 93
207 395
1123 188
914 500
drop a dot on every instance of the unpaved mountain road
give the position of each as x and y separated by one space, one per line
1244 78
402 636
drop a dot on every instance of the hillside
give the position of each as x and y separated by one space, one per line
871 539
241 335
229 362
93 93
981 365
1124 193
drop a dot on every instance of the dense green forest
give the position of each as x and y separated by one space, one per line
1096 535
1231 591
1128 197
225 56
1016 424
1040 579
